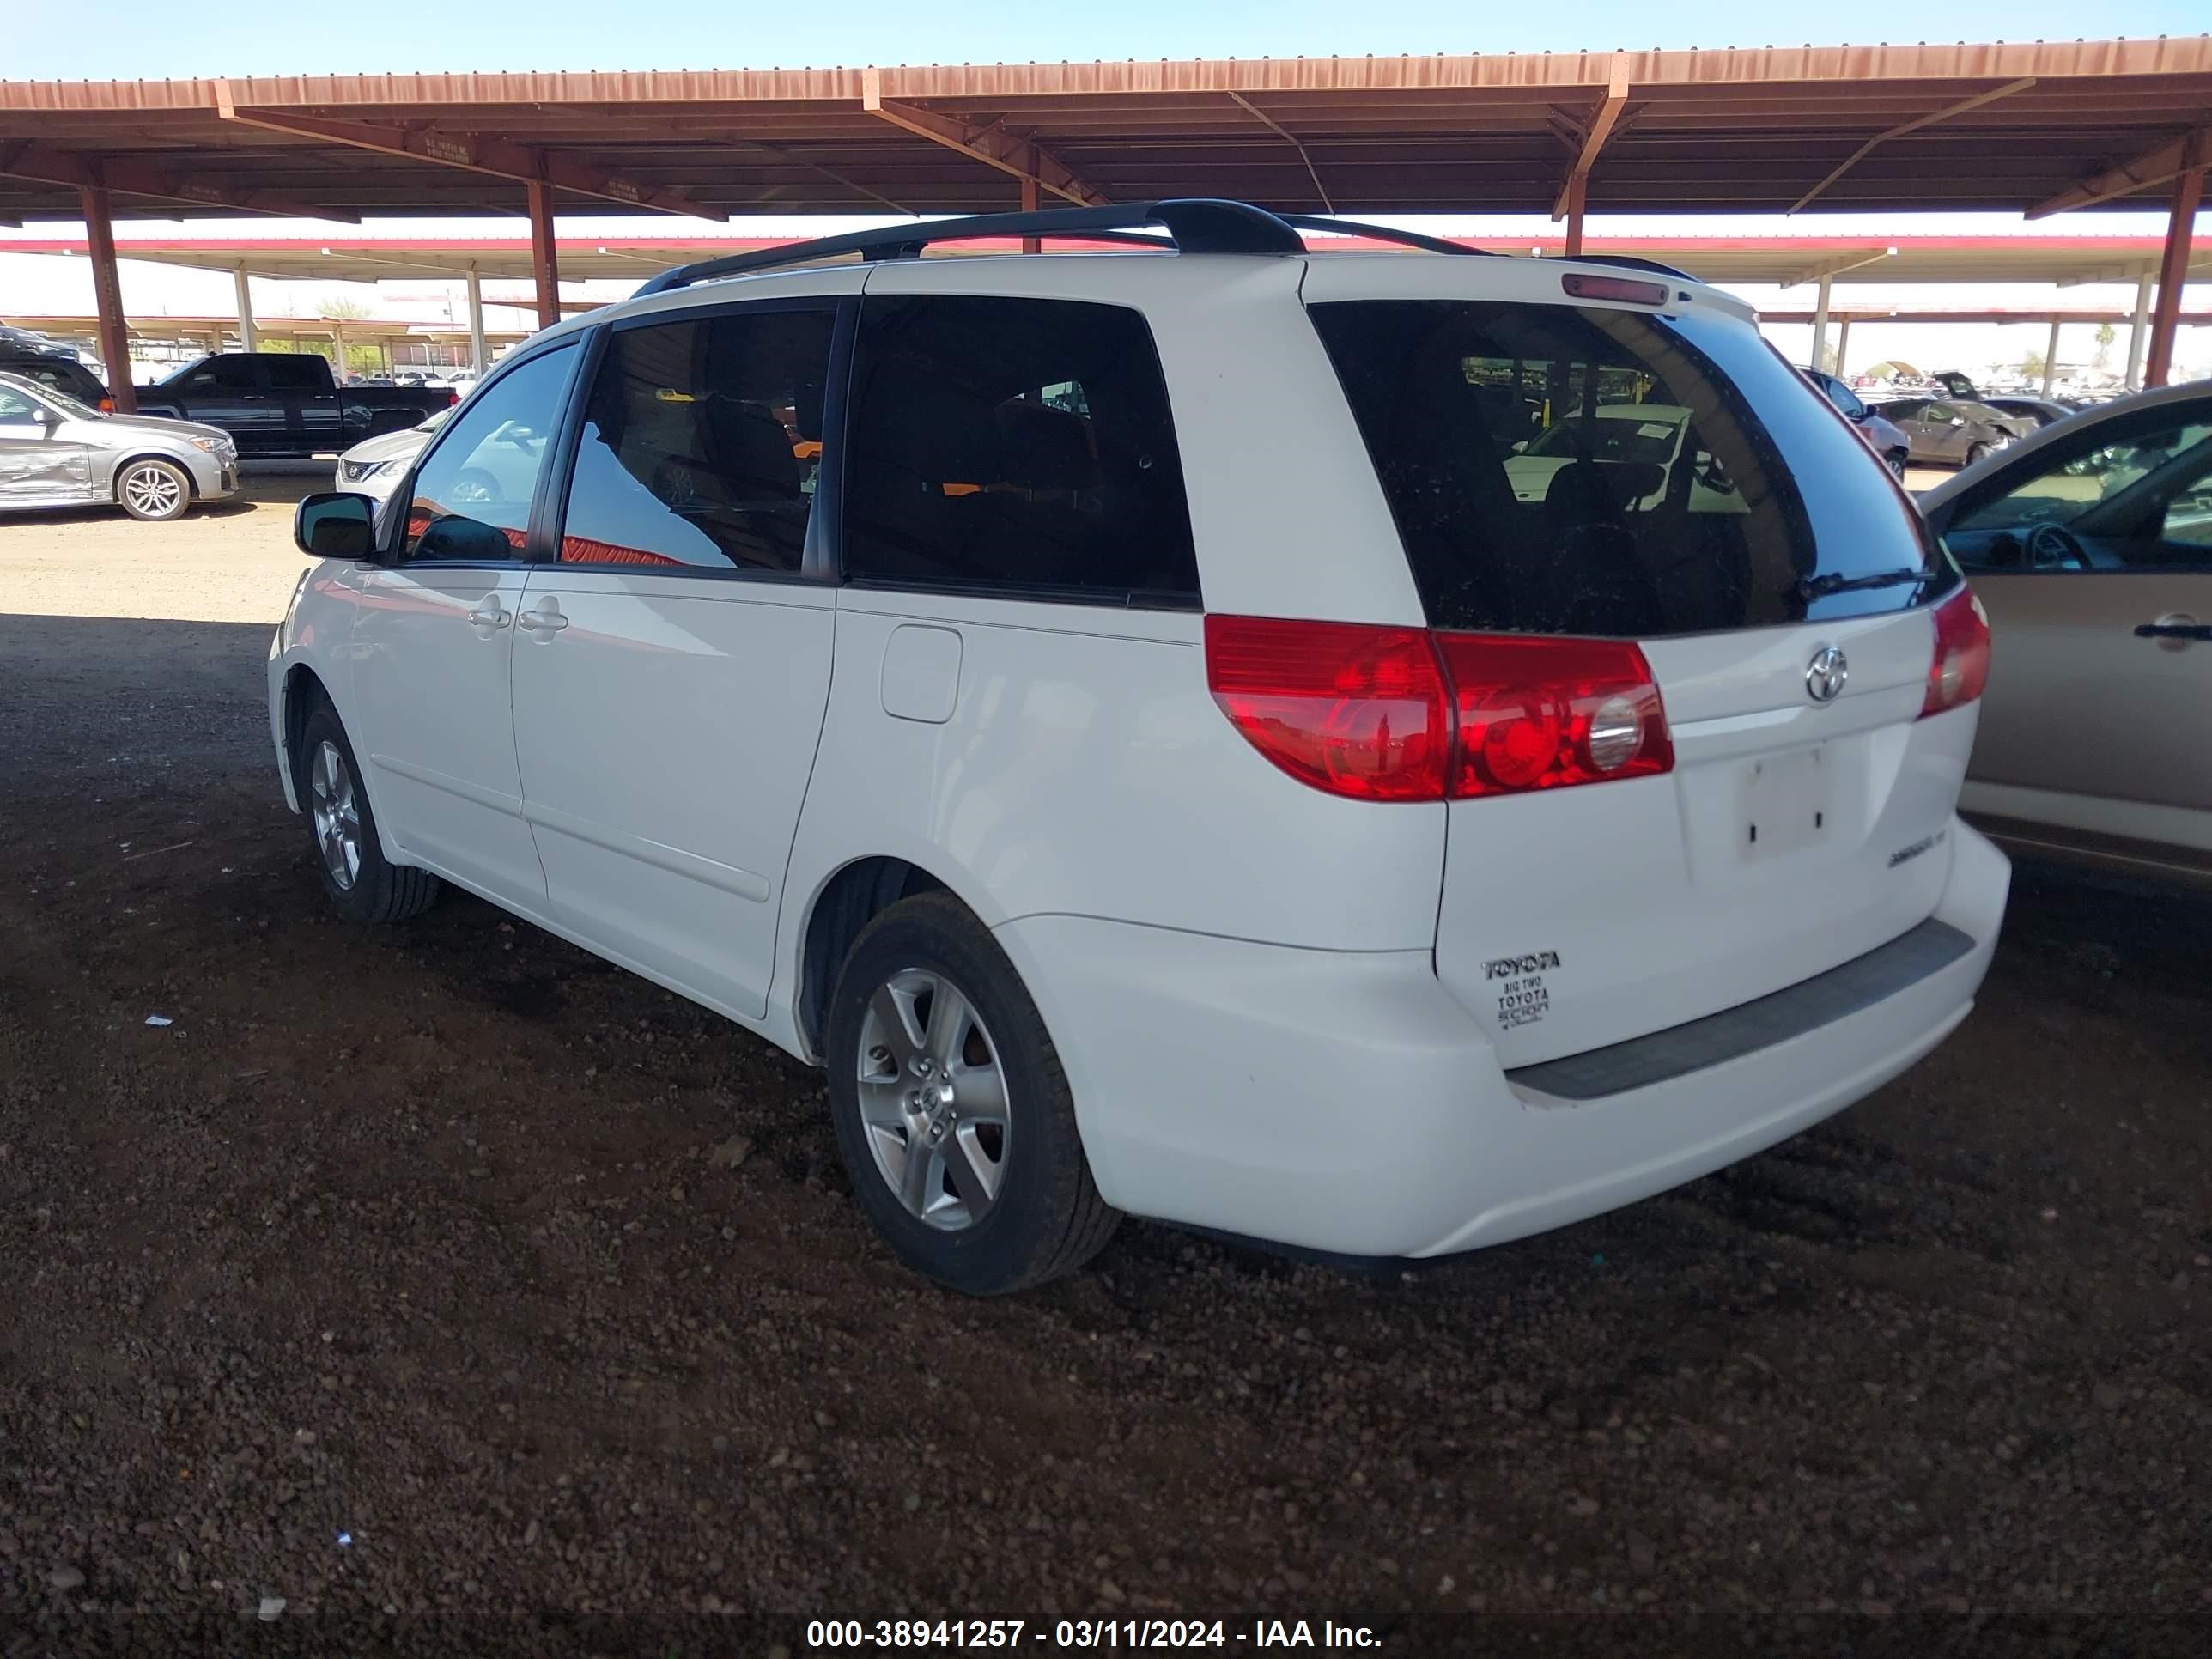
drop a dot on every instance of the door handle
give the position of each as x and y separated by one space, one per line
2175 630
491 615
545 622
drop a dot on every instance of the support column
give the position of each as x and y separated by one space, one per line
476 352
2051 358
1820 321
2173 265
545 260
107 298
249 336
1577 189
2139 331
1030 243
1843 347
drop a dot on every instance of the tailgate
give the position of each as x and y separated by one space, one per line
1790 837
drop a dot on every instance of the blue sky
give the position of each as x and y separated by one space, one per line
126 39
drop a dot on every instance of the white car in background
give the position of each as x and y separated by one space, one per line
1121 715
375 467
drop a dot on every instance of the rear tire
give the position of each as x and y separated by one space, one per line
363 886
936 1054
154 490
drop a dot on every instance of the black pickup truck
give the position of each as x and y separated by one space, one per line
286 404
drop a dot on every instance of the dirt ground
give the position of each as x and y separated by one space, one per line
399 1279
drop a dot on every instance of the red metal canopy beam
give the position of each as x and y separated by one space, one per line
630 125
544 255
1914 125
1599 128
1024 158
2152 167
2174 265
475 152
108 299
133 177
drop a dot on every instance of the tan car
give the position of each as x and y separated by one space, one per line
2090 545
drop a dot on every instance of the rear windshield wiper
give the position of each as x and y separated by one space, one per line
1834 581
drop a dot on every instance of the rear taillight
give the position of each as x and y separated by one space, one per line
108 405
1532 712
1960 667
1350 708
1400 714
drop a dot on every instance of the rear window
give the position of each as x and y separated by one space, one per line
1562 470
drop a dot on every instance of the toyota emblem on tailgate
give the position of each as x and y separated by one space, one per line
1826 674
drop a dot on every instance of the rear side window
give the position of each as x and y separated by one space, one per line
1562 470
701 442
224 375
1015 445
298 374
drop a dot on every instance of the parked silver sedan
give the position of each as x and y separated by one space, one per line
2090 545
57 452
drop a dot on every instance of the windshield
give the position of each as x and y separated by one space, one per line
1702 484
2069 487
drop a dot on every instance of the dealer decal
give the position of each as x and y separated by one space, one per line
1523 999
1926 843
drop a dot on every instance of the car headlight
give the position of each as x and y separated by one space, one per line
213 446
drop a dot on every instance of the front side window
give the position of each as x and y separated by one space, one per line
2134 493
1015 444
473 492
1562 469
16 410
702 443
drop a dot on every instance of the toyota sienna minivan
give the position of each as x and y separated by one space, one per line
1114 711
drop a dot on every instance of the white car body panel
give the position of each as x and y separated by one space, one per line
432 725
666 834
1232 965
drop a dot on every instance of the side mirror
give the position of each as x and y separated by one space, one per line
335 524
458 536
1957 420
1520 445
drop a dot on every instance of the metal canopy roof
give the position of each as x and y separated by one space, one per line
1782 260
2005 127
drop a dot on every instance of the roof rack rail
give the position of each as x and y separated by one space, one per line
1378 232
1631 262
1196 225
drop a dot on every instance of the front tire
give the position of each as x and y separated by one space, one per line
362 885
1976 453
953 1115
155 490
1896 458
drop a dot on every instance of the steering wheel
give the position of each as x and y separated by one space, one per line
2054 547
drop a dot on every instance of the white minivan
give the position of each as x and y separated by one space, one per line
1112 710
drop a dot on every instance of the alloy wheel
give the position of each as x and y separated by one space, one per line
152 491
935 1104
336 815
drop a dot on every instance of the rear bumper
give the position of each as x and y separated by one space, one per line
1345 1102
